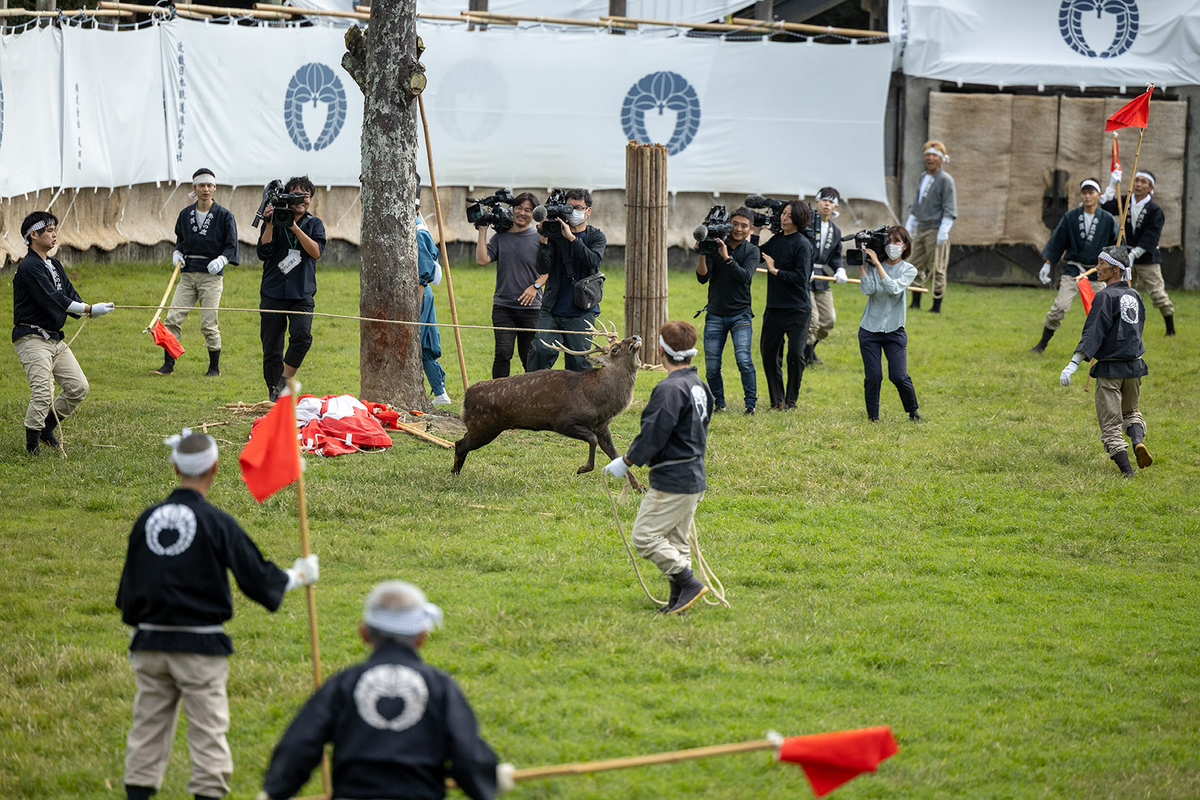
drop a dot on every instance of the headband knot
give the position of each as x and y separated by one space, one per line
1126 269
675 355
192 463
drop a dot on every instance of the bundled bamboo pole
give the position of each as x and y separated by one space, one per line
645 244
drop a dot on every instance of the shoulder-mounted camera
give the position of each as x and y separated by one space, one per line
490 210
715 227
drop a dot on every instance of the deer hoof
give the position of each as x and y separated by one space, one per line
585 468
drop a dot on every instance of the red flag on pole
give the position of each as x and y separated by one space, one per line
1115 164
1135 114
831 759
166 340
271 460
1086 294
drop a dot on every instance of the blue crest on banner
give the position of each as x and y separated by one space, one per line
315 83
1070 24
662 90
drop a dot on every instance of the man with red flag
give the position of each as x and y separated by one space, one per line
1112 334
174 593
1080 235
1144 221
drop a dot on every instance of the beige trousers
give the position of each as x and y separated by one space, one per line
930 258
204 289
1067 292
163 679
36 355
661 529
1148 279
1117 409
823 316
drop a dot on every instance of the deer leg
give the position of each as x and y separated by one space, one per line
472 441
584 435
604 439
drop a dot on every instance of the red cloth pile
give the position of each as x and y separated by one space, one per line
335 425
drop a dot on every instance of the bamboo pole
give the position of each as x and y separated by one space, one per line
1125 207
163 304
492 18
91 12
1120 199
420 434
437 205
309 596
130 8
849 280
585 767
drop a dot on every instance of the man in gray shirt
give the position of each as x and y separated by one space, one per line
929 221
518 298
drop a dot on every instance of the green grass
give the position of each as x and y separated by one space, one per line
985 584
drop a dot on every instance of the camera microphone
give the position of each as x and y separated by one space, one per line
539 214
756 201
848 238
700 233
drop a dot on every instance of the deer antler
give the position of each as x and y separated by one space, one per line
610 335
560 347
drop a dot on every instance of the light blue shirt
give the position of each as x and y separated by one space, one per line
886 306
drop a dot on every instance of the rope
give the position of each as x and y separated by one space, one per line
62 449
707 576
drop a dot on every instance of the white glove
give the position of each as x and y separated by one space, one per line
177 259
100 309
217 264
911 224
1137 252
305 571
504 777
1044 274
840 275
617 467
943 234
1069 370
1115 177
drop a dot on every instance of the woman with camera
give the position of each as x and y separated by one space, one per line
882 326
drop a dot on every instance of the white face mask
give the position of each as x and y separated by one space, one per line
577 216
893 251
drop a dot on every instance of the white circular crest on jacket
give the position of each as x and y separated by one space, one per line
388 681
172 516
1129 309
700 401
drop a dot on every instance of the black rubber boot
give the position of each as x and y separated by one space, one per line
1170 324
1137 435
674 597
808 354
205 797
916 303
816 359
32 435
214 364
47 432
139 792
1121 459
690 590
937 306
168 365
1040 347
915 418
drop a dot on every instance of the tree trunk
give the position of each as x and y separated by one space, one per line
380 61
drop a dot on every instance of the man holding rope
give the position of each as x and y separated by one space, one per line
43 298
205 241
672 441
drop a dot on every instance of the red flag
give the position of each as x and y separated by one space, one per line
272 458
1116 155
1135 114
1086 294
831 759
166 340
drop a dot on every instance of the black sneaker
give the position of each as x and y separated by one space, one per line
749 411
915 418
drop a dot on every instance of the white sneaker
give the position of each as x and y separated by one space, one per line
442 399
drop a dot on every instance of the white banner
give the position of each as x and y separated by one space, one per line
532 108
114 131
666 10
1119 43
254 104
31 111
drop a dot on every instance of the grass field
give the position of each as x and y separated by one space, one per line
984 583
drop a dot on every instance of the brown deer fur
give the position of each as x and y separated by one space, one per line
575 404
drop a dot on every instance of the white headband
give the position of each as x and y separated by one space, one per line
200 176
192 463
406 622
34 228
936 152
1147 176
1126 269
828 197
675 356
1087 183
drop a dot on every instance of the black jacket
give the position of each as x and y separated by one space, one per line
1069 243
565 262
41 295
1148 231
1112 333
729 281
675 428
301 282
177 574
200 244
827 256
794 259
395 723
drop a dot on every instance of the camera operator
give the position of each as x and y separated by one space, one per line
788 258
728 274
517 302
564 259
827 260
289 282
882 326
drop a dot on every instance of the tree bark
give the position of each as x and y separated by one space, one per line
380 60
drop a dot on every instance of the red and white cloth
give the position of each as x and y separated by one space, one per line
335 425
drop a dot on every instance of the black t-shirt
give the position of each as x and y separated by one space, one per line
793 259
41 294
729 281
300 282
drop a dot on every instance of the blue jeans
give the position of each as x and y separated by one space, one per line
739 327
